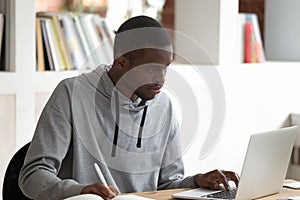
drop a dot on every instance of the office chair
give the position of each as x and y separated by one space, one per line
11 190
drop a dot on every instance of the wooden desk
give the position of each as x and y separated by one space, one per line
166 194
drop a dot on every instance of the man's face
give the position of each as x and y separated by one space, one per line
146 73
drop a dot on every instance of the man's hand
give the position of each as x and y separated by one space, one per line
213 179
105 192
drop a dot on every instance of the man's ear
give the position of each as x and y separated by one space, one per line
121 61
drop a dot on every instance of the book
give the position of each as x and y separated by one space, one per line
131 197
49 65
293 185
39 46
249 43
53 44
76 49
256 45
60 40
119 197
75 40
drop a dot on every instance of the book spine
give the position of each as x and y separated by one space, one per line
53 45
259 50
39 46
249 42
49 65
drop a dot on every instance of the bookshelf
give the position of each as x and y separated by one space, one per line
23 91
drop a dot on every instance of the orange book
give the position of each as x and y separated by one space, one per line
39 47
258 52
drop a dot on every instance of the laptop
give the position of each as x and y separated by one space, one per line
264 169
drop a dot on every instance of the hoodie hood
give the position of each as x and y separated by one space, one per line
107 87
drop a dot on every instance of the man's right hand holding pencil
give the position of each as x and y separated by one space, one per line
106 192
101 188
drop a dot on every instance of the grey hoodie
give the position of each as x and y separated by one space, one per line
87 121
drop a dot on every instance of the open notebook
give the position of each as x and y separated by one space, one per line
96 197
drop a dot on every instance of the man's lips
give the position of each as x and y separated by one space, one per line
155 89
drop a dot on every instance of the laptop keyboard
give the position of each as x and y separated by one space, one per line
224 194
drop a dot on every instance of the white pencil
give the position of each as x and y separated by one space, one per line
102 179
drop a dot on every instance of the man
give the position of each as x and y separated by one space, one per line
115 116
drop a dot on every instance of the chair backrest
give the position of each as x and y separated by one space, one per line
11 188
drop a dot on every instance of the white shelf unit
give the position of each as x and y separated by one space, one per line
23 91
212 26
211 23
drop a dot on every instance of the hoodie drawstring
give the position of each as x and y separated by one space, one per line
139 140
116 135
115 141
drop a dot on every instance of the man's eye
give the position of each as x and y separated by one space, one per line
151 69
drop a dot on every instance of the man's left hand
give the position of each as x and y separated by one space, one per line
213 179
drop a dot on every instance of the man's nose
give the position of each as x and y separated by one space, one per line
159 76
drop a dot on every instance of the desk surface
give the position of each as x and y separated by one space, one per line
166 194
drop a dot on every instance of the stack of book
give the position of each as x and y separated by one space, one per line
251 45
67 41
